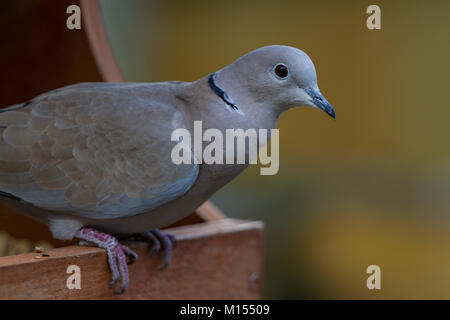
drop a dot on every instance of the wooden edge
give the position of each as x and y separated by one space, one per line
217 227
209 212
214 260
98 41
181 233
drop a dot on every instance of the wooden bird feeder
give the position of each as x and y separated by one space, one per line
216 257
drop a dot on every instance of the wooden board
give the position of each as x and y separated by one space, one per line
214 260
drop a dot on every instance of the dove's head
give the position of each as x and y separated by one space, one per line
281 76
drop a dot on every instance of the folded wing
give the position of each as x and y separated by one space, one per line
96 150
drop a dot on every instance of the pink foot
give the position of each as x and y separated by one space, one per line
117 254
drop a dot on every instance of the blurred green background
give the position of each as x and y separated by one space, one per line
369 188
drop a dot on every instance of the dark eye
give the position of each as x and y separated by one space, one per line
281 70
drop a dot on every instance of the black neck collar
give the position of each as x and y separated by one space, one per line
221 93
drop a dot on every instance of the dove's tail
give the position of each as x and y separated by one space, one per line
11 108
15 107
9 195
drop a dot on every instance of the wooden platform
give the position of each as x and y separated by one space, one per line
213 260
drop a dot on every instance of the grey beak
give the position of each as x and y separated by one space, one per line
320 102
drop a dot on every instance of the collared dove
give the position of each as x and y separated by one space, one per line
94 159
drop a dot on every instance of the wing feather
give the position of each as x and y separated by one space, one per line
100 151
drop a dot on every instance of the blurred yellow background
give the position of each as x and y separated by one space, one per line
369 188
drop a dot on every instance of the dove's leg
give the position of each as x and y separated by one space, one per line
159 240
117 254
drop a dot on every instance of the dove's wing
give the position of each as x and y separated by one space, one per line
96 150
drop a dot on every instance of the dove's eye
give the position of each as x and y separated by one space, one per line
281 71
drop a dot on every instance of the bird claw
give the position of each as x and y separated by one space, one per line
130 254
113 282
122 290
119 256
172 239
160 240
116 252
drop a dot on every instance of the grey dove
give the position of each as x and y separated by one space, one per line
93 160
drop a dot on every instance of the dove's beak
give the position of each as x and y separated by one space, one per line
320 102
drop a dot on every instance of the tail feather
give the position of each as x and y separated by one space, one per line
9 195
15 107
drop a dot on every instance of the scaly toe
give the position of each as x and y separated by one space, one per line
156 244
113 282
160 241
172 239
167 244
133 256
116 252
